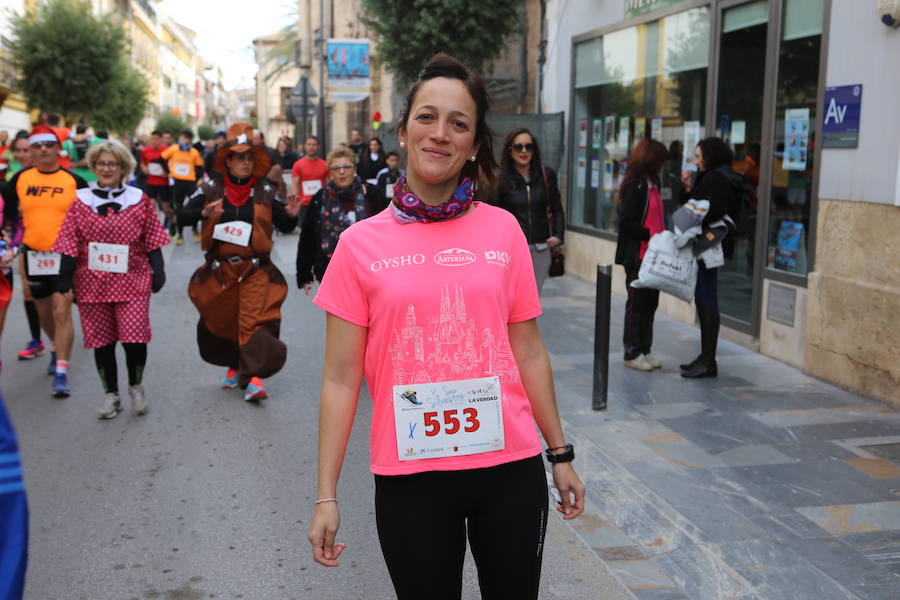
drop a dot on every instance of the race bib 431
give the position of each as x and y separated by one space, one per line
110 258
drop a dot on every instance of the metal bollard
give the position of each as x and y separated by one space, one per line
601 336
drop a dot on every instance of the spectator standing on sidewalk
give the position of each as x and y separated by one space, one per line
717 182
529 191
186 167
641 216
442 269
110 243
343 201
310 173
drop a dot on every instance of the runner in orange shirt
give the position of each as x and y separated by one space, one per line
186 168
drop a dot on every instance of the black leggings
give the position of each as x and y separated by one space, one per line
135 360
423 520
640 308
181 191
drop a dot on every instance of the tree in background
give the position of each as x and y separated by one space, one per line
75 64
473 32
206 132
123 111
171 123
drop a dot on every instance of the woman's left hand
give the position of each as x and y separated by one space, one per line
571 490
553 241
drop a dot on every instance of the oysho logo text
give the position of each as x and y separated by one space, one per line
455 257
398 261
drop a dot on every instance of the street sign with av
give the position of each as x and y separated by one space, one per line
842 111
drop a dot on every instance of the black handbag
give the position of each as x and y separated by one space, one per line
557 264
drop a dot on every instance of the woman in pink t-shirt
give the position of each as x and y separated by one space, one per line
434 301
641 217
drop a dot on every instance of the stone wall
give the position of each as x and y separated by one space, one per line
853 299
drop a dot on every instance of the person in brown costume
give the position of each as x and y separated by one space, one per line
238 290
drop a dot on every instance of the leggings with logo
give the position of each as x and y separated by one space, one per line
423 520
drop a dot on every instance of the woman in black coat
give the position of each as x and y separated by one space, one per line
372 161
528 190
641 216
344 200
720 185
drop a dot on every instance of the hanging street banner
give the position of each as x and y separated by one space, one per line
348 69
634 8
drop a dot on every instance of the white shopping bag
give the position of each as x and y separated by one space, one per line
667 268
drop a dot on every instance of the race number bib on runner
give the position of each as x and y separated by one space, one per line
110 258
311 186
233 232
452 418
182 170
156 169
43 263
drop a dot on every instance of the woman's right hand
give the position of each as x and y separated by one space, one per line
687 180
322 532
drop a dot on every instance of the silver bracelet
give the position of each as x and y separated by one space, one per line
321 500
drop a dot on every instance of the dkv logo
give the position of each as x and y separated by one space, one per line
455 257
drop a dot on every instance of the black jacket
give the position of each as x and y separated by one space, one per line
632 214
368 168
528 202
724 189
311 261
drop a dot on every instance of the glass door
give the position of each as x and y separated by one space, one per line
741 77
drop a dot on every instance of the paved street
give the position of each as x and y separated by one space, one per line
208 496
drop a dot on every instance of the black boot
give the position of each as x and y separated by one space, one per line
692 364
709 339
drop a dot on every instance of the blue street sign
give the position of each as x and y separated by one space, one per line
842 111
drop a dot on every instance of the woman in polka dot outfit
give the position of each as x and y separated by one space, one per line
110 246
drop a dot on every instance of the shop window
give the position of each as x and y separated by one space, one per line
643 81
796 132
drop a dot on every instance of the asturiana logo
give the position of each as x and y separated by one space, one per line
454 257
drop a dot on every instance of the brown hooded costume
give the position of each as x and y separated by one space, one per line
238 290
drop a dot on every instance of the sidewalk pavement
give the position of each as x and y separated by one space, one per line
763 483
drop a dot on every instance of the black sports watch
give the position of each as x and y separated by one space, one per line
562 457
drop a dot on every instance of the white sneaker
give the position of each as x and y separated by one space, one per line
652 360
640 363
138 401
110 407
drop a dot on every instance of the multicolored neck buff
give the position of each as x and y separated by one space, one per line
408 208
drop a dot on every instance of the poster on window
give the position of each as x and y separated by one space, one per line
788 247
582 132
596 134
595 174
610 132
608 175
640 129
691 139
624 133
656 128
738 132
348 69
796 139
581 172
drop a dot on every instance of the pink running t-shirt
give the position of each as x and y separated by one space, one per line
437 299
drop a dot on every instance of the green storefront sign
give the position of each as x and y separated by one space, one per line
639 7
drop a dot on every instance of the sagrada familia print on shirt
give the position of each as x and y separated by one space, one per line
449 347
